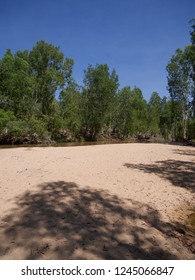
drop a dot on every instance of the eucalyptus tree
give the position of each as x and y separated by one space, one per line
154 113
50 71
131 114
70 107
191 57
15 85
165 122
6 88
139 107
179 86
123 122
100 87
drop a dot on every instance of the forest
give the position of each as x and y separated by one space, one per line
40 101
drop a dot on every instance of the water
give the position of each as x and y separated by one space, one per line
62 144
86 143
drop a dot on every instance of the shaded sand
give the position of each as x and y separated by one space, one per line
124 201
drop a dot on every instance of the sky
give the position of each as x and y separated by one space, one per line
135 37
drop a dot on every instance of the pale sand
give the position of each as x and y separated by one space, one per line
124 201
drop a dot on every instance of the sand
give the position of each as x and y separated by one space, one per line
120 201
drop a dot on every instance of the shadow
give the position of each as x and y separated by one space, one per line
63 221
185 152
179 173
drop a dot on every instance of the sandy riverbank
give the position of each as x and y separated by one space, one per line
122 201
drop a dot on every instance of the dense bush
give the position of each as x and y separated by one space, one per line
20 131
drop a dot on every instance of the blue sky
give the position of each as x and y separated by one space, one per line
136 37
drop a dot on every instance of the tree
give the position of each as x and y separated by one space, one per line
15 85
191 57
50 71
6 70
99 90
131 115
165 123
154 113
179 87
123 117
70 105
139 106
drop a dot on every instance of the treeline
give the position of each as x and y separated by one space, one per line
181 86
40 101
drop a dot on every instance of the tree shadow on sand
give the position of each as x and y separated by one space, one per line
186 152
179 173
63 221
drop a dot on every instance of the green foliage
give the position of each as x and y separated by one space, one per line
99 90
191 58
131 112
29 82
16 84
21 131
179 87
49 70
165 123
123 117
5 117
70 106
191 129
139 106
154 113
192 31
